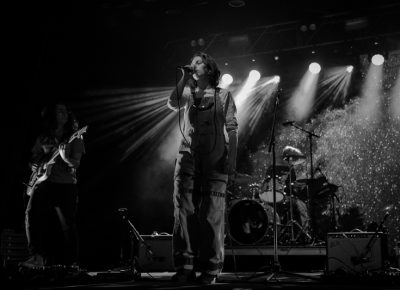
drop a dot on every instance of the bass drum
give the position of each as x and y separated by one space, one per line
250 222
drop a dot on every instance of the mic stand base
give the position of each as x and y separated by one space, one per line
275 267
276 272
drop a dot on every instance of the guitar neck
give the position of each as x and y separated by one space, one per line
57 152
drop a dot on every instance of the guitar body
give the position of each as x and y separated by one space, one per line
44 170
37 177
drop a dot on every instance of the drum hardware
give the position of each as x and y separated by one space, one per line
309 135
292 222
254 190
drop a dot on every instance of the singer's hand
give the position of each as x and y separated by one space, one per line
187 72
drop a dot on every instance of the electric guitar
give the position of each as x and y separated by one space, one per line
43 171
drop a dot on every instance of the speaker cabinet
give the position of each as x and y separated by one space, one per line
355 252
14 247
160 257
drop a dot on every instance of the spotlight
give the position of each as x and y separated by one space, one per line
312 26
254 75
276 79
227 79
201 41
349 68
314 68
378 59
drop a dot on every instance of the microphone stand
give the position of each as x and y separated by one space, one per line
362 258
276 267
134 235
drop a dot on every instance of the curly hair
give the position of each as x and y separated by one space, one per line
213 71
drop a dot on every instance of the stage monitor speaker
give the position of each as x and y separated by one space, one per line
355 252
160 258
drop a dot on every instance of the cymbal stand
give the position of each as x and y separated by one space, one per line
292 222
309 135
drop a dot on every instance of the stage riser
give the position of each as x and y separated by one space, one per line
248 258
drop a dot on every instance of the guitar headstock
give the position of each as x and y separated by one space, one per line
78 133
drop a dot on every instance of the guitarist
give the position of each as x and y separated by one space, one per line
53 202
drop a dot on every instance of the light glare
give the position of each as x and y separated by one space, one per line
314 68
349 69
378 59
226 80
254 76
276 79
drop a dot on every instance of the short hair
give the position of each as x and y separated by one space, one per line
213 71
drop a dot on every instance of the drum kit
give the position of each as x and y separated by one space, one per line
300 205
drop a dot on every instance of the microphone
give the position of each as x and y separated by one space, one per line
287 123
186 68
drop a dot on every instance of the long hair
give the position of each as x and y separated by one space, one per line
213 71
49 121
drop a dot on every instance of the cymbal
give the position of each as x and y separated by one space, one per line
293 153
242 178
295 160
280 169
305 180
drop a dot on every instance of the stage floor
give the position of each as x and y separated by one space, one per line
227 280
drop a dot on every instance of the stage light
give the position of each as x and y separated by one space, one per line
303 28
314 68
254 76
349 69
378 59
276 79
226 80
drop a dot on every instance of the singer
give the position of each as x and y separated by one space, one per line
205 163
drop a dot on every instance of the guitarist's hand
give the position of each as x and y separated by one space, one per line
63 148
34 167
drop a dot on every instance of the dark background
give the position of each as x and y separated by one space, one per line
63 49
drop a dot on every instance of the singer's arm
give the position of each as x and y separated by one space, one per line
232 130
180 92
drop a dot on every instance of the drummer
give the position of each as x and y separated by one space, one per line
290 157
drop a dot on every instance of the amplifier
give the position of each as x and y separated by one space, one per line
14 247
355 252
160 257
